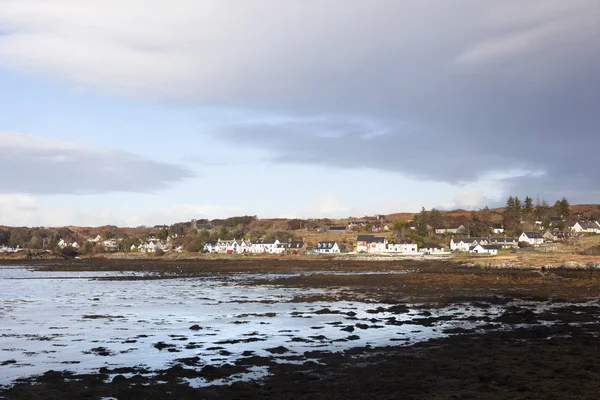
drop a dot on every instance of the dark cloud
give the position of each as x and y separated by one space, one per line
447 91
38 166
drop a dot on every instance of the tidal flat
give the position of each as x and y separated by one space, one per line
86 329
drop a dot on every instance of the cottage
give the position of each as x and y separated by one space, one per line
370 244
504 242
402 247
556 235
484 249
431 248
327 248
453 229
96 239
296 247
497 229
585 227
464 244
266 246
210 246
533 238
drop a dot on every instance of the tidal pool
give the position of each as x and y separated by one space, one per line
84 321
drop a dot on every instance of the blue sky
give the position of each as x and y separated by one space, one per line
140 113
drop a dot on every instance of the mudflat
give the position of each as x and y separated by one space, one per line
398 329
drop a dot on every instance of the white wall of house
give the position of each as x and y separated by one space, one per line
404 248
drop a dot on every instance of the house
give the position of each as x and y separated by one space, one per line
453 229
210 246
484 249
370 244
497 229
585 227
533 238
380 228
96 239
504 242
431 248
327 248
356 225
338 228
267 246
464 244
111 245
227 246
555 235
62 244
296 247
403 247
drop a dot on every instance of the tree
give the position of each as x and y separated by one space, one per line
562 208
436 219
480 224
400 228
528 209
421 221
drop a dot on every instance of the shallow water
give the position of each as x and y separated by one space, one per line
82 321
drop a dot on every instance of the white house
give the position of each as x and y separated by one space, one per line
432 248
96 239
227 246
62 244
210 246
585 227
484 249
498 229
533 238
504 242
267 246
464 244
403 247
453 229
327 248
371 244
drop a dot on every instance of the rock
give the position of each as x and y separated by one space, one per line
195 327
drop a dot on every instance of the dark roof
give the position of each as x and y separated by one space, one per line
431 245
296 244
336 228
211 243
370 239
490 246
406 241
264 241
325 245
532 235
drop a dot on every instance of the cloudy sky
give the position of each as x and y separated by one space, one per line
139 112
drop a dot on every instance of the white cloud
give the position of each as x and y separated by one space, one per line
22 210
32 164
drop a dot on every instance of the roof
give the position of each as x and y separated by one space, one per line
296 244
532 235
490 246
264 241
370 239
406 241
325 245
431 245
336 228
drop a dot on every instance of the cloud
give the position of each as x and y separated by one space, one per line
24 210
440 91
36 165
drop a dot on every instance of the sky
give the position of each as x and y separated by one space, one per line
141 112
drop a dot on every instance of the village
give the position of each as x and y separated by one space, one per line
355 237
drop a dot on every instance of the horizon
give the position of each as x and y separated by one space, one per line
117 114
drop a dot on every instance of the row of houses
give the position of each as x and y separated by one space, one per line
261 246
380 245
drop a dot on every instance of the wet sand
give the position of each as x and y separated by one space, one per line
543 343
